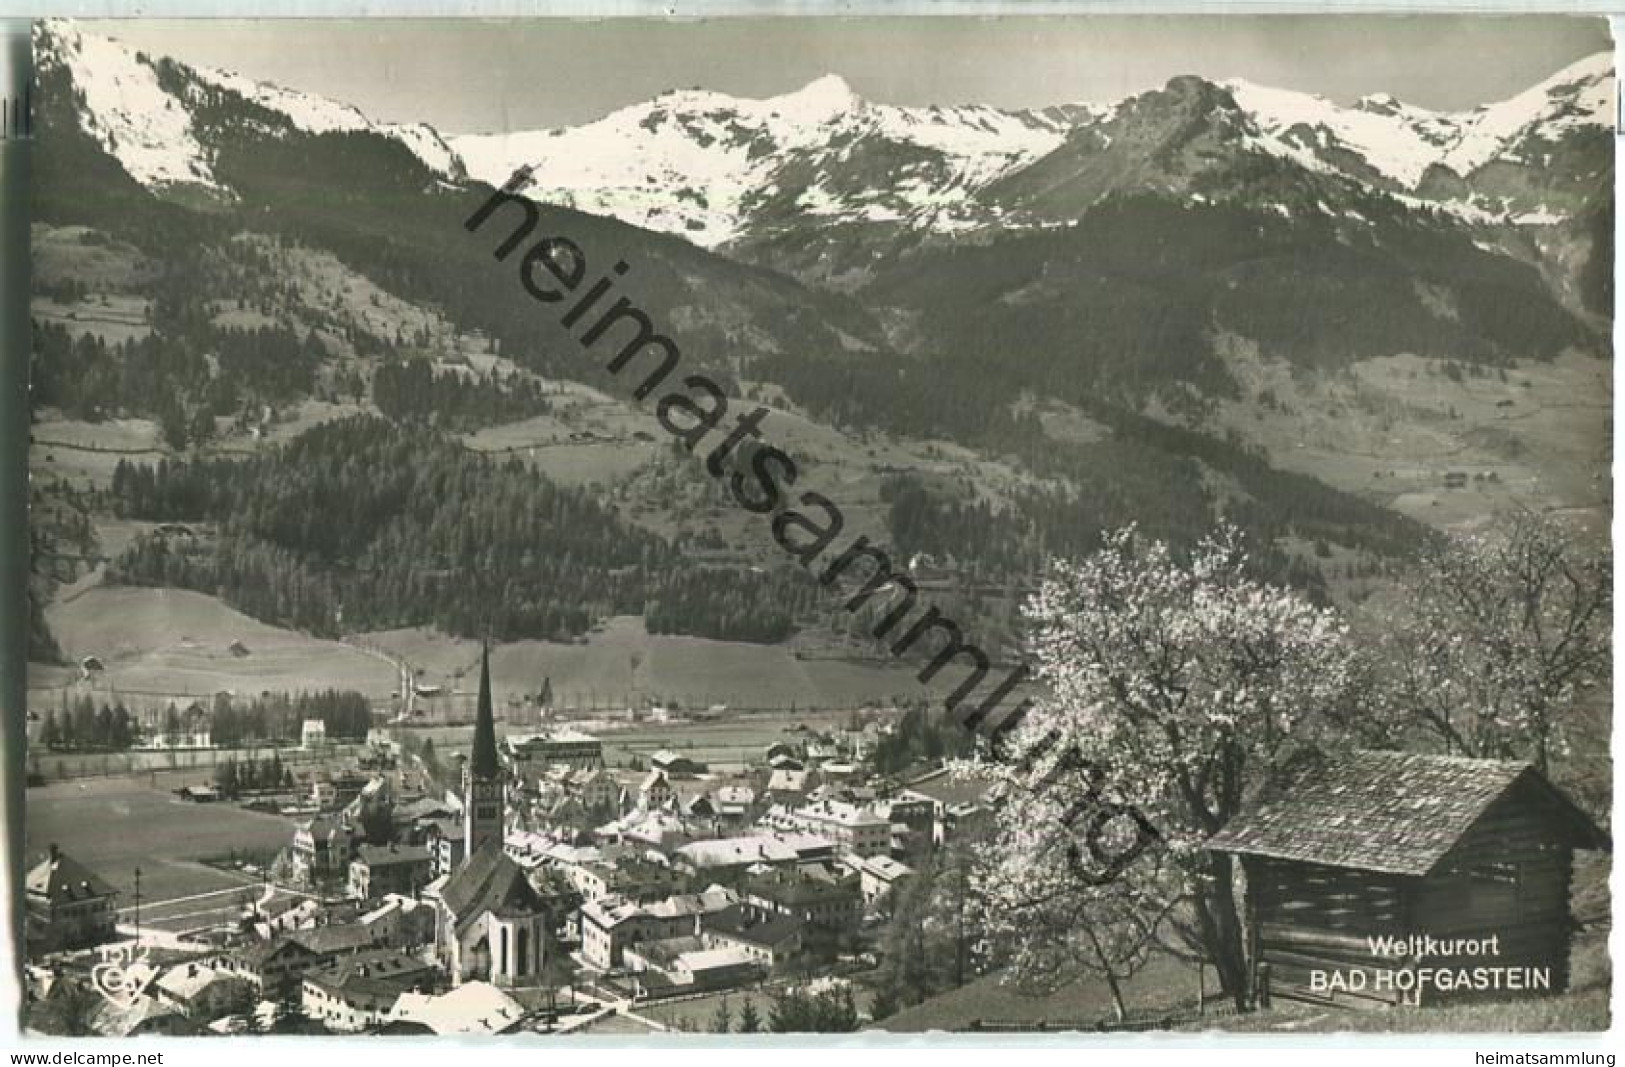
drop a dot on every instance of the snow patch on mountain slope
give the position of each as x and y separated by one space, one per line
1577 96
126 109
694 162
1396 141
1402 142
317 114
151 132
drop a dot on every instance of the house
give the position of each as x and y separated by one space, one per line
790 787
380 869
330 940
913 819
445 841
697 806
855 830
655 791
959 805
276 967
661 830
611 925
676 765
768 938
726 859
471 1008
200 991
282 915
313 734
322 848
1388 877
828 899
570 747
400 922
594 873
879 879
684 965
359 991
596 789
66 905
734 802
146 1015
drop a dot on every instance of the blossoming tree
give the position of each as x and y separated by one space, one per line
1177 688
1499 636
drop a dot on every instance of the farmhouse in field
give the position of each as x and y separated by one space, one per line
1389 877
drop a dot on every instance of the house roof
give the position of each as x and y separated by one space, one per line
471 1008
385 855
790 781
254 956
1394 812
608 912
947 789
332 940
186 980
118 1020
489 881
378 973
327 826
61 879
741 795
752 925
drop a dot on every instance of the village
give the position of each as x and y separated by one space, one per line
525 885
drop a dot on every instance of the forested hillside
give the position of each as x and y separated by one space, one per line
363 524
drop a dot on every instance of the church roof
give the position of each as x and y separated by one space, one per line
482 762
491 881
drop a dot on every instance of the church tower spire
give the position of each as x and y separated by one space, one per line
483 792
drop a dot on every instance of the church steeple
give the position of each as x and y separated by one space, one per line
484 797
482 762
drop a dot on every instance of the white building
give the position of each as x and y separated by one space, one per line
313 734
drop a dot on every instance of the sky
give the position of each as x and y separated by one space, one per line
475 76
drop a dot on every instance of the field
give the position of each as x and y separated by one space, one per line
115 825
623 662
1392 429
725 744
175 642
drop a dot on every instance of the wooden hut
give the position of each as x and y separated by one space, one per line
1355 866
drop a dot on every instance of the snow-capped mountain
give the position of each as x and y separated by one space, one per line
725 171
145 113
1437 155
712 167
821 182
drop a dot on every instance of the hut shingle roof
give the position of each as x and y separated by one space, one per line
1395 812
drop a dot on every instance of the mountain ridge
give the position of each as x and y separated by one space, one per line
724 171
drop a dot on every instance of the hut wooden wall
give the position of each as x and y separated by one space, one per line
1509 876
1309 917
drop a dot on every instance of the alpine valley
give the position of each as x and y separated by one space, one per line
280 391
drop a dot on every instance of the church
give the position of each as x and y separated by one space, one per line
490 924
